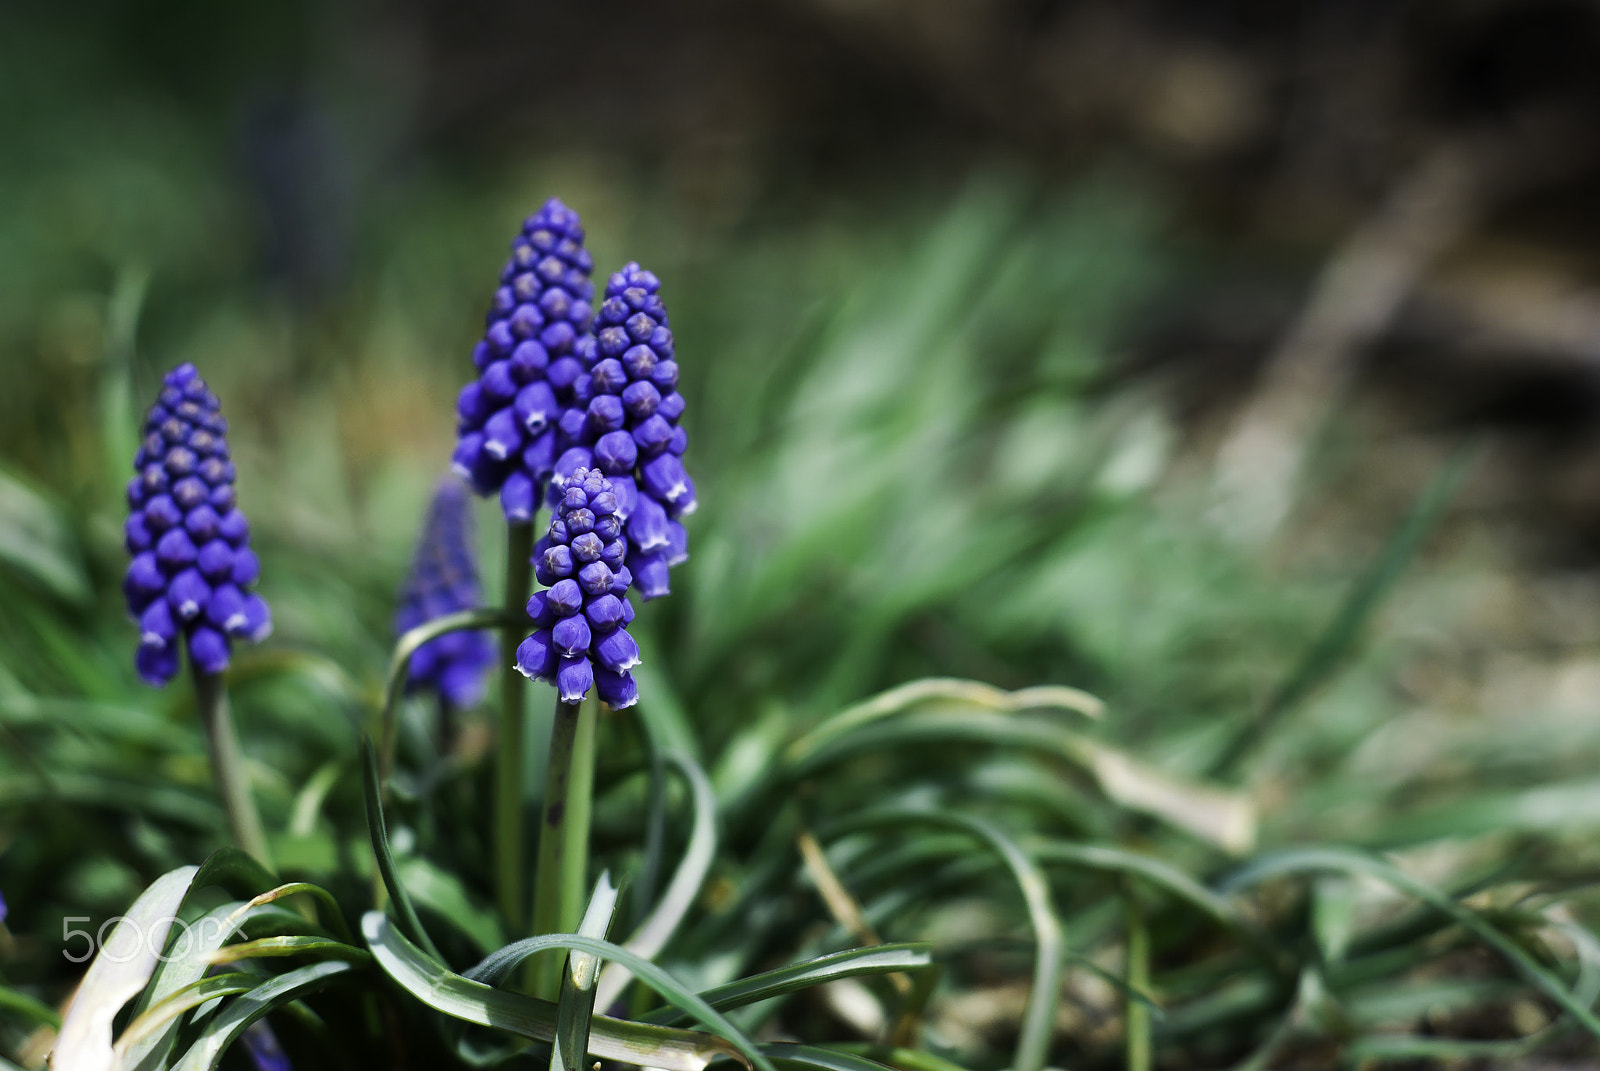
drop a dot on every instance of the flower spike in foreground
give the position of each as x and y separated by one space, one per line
192 567
582 636
628 426
444 580
507 417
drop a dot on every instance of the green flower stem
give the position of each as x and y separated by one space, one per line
559 890
227 764
509 747
1135 1013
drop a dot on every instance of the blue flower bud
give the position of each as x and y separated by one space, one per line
190 564
536 655
647 528
537 319
571 636
443 579
574 678
209 649
617 690
650 574
517 499
157 626
578 612
616 651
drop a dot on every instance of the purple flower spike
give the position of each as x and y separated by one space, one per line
581 621
192 566
628 427
444 580
528 374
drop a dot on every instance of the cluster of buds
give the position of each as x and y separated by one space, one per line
625 423
507 417
444 580
581 635
192 567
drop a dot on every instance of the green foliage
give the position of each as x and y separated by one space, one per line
913 468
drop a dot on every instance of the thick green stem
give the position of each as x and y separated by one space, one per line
509 747
559 889
227 764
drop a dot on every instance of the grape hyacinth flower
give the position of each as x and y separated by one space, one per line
526 368
581 636
443 580
192 574
625 423
192 569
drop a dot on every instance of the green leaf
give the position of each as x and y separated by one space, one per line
1346 861
294 945
119 971
473 1002
30 1009
1037 1028
656 930
877 959
942 691
231 1021
379 834
174 1006
1221 817
496 965
575 1004
791 1057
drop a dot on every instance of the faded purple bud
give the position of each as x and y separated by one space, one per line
191 563
444 580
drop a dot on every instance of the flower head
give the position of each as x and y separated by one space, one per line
624 422
581 621
443 580
507 417
192 569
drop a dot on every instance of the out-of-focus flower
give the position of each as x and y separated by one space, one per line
507 417
581 635
192 570
443 580
624 421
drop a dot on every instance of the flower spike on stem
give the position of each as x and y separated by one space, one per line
190 580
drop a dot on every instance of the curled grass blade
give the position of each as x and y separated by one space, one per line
1173 881
1037 1029
295 945
191 996
1221 817
787 1056
379 833
657 929
395 683
474 1002
34 1011
1347 861
944 691
878 959
231 1021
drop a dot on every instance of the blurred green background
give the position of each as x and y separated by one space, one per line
966 297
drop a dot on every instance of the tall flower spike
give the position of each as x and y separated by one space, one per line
507 417
625 423
192 570
444 580
581 621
